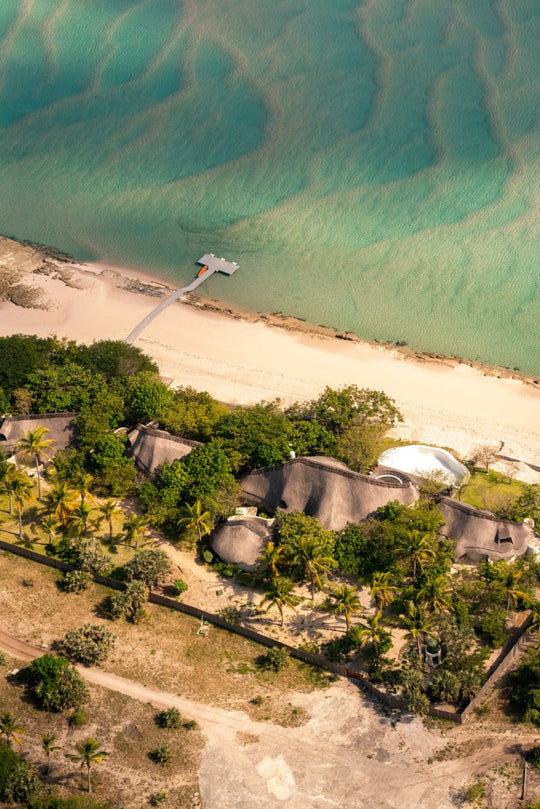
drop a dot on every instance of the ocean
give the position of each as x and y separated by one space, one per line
372 166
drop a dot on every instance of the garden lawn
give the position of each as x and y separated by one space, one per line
491 491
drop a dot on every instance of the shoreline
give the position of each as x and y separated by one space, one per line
244 357
140 282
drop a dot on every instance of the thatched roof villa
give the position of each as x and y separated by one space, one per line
326 489
480 535
151 448
61 427
240 540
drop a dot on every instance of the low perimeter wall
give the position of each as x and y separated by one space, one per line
503 663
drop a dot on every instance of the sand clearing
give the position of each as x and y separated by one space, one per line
444 402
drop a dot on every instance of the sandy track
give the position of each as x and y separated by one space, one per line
349 755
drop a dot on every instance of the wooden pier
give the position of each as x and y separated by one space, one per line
210 265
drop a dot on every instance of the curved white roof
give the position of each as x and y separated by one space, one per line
421 460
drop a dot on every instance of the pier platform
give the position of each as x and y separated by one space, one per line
218 264
210 265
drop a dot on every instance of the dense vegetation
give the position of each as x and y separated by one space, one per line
397 553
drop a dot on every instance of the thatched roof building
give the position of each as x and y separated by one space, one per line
326 489
240 540
151 448
479 535
61 427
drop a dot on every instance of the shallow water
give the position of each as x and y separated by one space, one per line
374 166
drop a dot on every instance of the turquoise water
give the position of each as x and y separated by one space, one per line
373 166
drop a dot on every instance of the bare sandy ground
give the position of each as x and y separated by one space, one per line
444 402
345 756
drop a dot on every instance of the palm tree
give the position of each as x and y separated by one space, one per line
88 753
10 730
81 482
108 510
50 525
60 500
21 492
10 474
193 518
271 558
419 548
34 444
373 631
49 746
345 602
435 594
280 594
135 528
310 555
418 623
78 519
510 583
381 591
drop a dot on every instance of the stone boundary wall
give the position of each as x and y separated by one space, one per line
500 667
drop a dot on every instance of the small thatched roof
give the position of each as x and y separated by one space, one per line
480 535
240 540
151 448
61 427
324 488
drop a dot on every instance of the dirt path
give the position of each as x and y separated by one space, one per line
207 716
349 755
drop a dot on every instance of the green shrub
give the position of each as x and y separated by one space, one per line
179 587
75 581
491 625
191 724
149 567
90 644
157 798
129 603
533 757
476 792
208 557
8 760
22 784
79 718
162 755
169 719
231 615
54 684
276 658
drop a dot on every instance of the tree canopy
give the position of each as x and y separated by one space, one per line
339 409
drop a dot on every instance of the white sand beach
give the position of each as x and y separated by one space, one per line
240 358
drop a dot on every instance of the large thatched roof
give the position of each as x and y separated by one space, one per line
151 448
240 540
61 427
480 535
324 488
